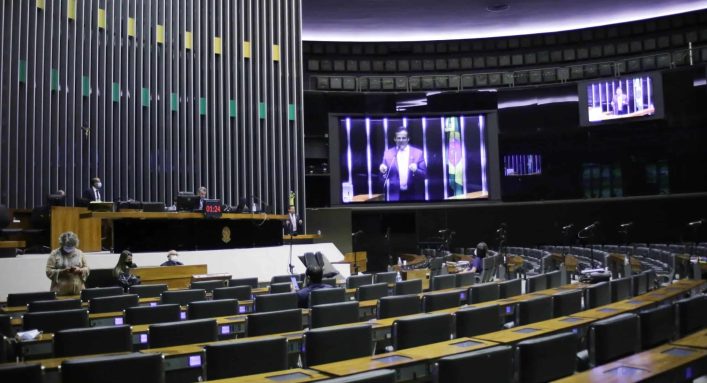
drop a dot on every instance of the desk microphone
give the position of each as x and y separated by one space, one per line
626 225
697 223
567 227
592 226
356 234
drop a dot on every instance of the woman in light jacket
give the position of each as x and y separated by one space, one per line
67 267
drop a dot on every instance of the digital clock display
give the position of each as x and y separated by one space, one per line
212 208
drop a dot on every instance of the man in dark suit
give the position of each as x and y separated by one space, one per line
403 170
293 224
202 196
94 192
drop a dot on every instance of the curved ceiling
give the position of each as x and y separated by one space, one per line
420 20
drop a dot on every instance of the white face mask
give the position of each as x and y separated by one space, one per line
69 249
99 185
172 257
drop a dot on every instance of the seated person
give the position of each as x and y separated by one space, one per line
477 265
313 281
172 259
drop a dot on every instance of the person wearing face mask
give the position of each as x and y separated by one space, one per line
172 259
94 193
122 273
67 267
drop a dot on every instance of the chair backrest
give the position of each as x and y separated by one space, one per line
417 331
241 293
212 309
328 295
376 376
374 291
491 365
183 297
613 338
53 321
441 282
209 286
148 291
488 271
440 301
274 322
355 281
692 314
245 357
465 279
534 310
282 278
387 277
483 292
94 340
329 281
97 292
25 373
546 358
143 368
279 288
566 303
639 284
478 320
275 302
332 314
536 283
412 286
554 279
152 314
332 345
54 305
657 326
184 332
510 288
597 295
22 299
6 326
252 282
114 303
620 289
398 305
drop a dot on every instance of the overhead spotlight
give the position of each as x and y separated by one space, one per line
500 7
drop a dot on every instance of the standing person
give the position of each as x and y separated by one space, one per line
121 271
202 196
293 224
313 281
172 259
94 192
477 265
403 169
67 267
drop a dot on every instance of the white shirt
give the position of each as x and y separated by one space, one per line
403 158
293 221
96 194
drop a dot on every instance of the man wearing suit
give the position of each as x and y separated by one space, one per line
293 224
94 192
202 196
403 170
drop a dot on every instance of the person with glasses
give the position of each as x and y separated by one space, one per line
403 170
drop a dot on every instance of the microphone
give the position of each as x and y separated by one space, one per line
626 225
592 226
442 231
357 233
567 227
697 223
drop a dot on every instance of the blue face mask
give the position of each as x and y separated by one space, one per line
68 249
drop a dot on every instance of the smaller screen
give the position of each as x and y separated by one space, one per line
620 98
522 165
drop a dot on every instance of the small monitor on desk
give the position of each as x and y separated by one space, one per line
100 206
153 206
187 201
56 200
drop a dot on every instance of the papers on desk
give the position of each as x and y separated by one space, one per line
28 335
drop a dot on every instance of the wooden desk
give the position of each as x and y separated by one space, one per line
78 220
294 375
174 276
696 340
517 334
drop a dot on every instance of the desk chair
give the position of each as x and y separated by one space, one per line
566 303
492 365
510 288
377 376
329 281
53 321
245 357
418 331
657 326
535 283
148 291
25 373
252 282
97 292
692 314
488 271
355 281
6 326
465 279
212 309
332 314
143 368
114 303
533 310
620 289
152 314
440 301
22 299
546 358
597 295
183 332
613 338
483 292
54 305
241 293
478 320
279 288
274 322
374 291
441 282
209 286
94 340
554 279
329 295
183 297
332 345
398 305
639 284
275 302
413 286
386 277
283 278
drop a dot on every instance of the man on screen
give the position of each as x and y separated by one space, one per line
403 170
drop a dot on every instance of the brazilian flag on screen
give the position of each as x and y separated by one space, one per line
455 162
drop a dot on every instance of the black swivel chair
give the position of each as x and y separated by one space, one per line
492 365
54 305
483 292
241 293
143 368
613 338
441 282
148 291
376 376
398 305
639 284
333 314
183 297
279 288
355 281
23 299
245 357
421 330
389 277
533 310
566 303
554 279
620 289
440 301
328 295
209 286
597 295
212 309
657 326
274 322
97 292
510 288
53 321
692 314
94 340
114 303
413 286
329 281
478 320
275 302
546 358
184 332
252 282
152 314
283 278
465 279
370 292
536 283
25 373
332 345
6 326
